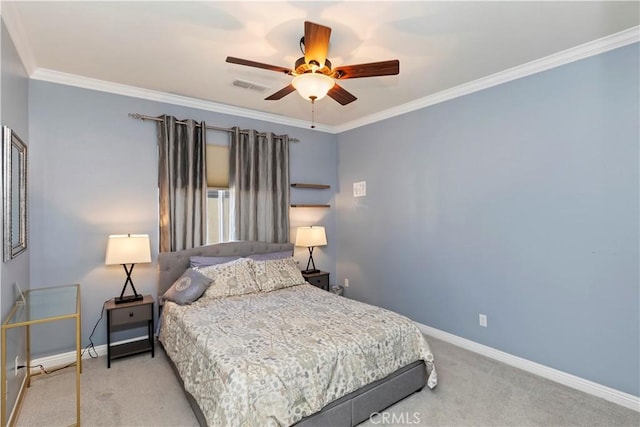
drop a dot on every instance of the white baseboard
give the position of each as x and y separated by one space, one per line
57 360
612 395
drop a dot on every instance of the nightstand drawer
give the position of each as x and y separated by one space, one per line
320 282
127 315
320 279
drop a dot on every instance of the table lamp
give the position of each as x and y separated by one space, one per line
310 237
128 249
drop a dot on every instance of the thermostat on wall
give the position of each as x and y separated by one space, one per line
360 189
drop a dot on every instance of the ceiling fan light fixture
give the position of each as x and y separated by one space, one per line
312 86
313 75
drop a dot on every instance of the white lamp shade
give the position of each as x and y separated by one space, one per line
311 236
128 249
311 85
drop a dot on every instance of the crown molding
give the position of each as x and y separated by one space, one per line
169 98
614 41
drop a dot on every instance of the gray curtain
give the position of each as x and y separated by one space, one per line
259 186
182 183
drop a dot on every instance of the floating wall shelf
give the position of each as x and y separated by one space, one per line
311 187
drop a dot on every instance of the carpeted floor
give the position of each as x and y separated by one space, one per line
472 391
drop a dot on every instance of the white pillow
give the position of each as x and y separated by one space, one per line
229 279
277 274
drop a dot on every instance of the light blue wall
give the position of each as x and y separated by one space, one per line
14 98
520 202
94 173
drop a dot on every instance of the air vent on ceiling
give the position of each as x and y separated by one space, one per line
249 85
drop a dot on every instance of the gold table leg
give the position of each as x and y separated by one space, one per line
78 370
4 375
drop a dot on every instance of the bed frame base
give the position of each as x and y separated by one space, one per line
355 407
358 406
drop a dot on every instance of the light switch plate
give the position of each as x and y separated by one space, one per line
360 189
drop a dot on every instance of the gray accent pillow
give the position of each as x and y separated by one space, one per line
188 288
204 261
270 255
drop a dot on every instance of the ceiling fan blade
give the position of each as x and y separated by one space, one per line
372 69
316 42
281 93
239 61
341 95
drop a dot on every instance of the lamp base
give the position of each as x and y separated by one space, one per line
310 271
128 298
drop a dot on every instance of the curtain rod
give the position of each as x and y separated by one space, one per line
142 117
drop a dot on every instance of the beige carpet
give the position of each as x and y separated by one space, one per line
472 391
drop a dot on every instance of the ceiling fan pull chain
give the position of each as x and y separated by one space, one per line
313 111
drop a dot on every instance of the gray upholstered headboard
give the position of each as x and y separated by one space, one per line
171 265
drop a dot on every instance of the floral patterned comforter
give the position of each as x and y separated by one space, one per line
272 358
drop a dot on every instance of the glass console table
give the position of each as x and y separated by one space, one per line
41 306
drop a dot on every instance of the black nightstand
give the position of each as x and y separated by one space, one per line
127 316
319 279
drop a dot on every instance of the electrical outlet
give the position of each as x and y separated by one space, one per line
346 283
482 318
15 372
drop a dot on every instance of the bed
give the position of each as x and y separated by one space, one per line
292 355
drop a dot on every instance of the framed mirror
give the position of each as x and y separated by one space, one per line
14 194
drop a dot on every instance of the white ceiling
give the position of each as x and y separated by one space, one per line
180 47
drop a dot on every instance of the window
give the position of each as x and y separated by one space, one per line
217 215
218 193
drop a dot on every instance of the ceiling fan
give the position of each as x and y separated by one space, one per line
313 76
